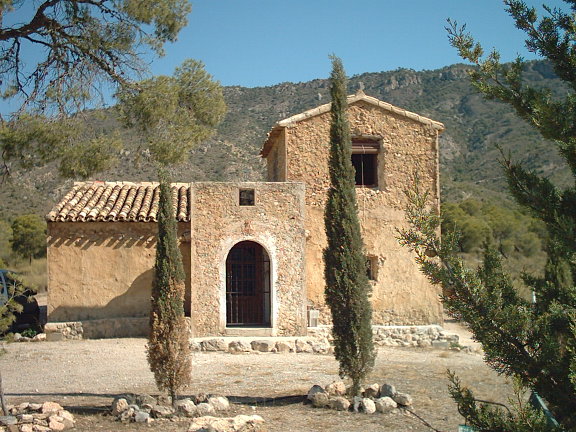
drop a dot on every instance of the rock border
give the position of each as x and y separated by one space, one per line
375 398
37 417
145 408
317 341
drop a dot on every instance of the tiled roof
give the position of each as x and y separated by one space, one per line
118 202
359 96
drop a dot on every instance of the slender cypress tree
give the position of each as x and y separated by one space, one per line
347 285
168 347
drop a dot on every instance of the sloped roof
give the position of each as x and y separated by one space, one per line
118 202
360 96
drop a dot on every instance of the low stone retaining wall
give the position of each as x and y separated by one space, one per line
318 340
96 329
405 336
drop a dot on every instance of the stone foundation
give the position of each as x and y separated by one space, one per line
318 340
97 329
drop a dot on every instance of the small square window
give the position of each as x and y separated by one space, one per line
246 197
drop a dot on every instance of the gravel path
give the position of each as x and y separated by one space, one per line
90 373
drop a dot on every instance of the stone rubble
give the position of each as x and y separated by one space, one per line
319 341
375 398
145 408
240 423
40 337
33 417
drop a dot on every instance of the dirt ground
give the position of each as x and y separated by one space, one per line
85 376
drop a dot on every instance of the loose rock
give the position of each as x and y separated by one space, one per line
219 403
145 399
385 404
315 389
284 347
337 388
303 346
213 345
339 403
239 346
119 405
48 407
371 391
55 424
200 397
25 418
142 417
387 390
186 407
162 411
8 420
263 345
403 399
367 405
320 400
204 409
126 416
239 423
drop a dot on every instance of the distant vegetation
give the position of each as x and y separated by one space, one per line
469 158
23 249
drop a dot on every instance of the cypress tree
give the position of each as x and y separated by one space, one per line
168 346
347 285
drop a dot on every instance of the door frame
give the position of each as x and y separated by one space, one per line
248 287
268 244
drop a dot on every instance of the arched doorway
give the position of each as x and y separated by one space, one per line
247 286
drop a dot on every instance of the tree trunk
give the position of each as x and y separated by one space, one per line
174 397
2 399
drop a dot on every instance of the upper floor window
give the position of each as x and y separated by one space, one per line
365 160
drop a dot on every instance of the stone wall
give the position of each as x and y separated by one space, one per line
275 222
101 270
277 169
401 294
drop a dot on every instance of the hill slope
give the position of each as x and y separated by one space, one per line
469 164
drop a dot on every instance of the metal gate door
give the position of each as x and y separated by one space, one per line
247 291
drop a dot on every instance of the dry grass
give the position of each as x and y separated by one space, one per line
34 275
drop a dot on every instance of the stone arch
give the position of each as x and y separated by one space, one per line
248 285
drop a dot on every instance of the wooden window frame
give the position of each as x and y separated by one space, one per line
369 148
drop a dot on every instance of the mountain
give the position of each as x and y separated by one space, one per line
469 156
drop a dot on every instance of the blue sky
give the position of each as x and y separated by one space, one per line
266 42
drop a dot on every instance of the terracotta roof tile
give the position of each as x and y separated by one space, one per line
117 202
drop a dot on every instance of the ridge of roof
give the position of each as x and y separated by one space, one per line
359 96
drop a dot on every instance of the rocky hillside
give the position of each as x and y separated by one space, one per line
469 157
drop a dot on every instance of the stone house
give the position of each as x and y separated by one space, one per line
252 251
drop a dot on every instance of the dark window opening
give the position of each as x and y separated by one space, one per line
365 151
365 167
372 268
247 197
